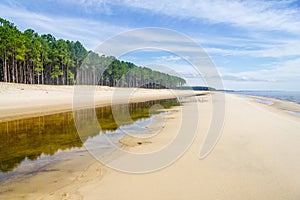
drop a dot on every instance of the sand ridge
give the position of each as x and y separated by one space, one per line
21 101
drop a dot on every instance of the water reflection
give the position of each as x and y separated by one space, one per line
32 137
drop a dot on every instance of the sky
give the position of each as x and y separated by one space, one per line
253 44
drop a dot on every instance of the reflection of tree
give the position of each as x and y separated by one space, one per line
34 136
47 134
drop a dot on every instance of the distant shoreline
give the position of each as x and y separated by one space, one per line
292 96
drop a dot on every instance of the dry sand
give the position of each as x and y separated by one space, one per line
257 157
21 100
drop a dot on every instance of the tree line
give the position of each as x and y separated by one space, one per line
29 58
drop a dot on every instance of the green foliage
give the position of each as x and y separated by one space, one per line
42 59
199 88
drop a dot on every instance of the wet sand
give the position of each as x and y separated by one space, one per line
280 104
257 157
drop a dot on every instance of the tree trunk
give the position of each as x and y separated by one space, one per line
67 76
5 68
13 69
38 77
31 74
8 73
62 76
17 74
43 75
24 72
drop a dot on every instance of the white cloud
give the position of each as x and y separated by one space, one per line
266 15
266 48
288 48
90 33
89 6
287 72
252 16
152 38
247 14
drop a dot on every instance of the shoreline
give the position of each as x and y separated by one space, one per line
287 107
18 101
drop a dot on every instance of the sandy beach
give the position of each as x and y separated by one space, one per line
22 100
256 157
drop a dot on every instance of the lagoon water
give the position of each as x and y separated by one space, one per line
28 144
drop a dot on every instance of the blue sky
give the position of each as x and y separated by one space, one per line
254 44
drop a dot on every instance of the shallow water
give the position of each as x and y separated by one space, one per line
294 113
293 96
281 95
264 102
40 140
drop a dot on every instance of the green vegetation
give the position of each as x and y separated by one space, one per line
199 88
30 58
